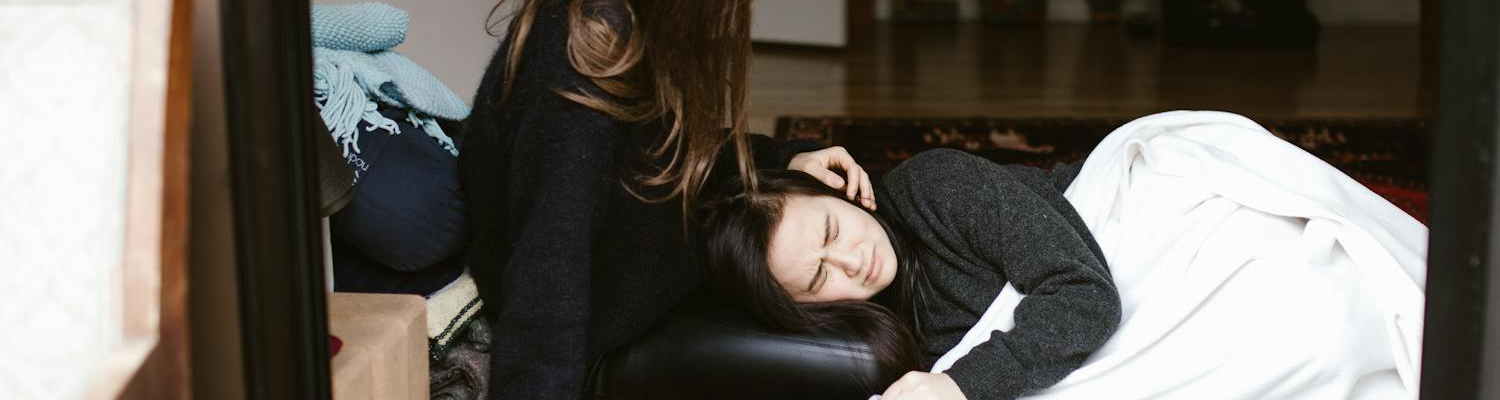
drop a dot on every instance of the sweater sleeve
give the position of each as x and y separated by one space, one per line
566 162
1011 220
560 166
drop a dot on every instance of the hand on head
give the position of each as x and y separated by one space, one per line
836 168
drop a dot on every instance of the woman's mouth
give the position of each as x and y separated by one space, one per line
874 267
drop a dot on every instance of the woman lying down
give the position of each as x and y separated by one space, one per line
1193 255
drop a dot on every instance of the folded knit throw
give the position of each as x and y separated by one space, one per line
358 27
359 70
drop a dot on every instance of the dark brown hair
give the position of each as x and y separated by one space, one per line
684 60
735 235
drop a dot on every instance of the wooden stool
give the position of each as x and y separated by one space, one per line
385 346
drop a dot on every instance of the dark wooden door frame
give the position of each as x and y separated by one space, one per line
267 65
267 47
1459 337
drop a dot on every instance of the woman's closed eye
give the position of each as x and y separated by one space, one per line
833 227
830 235
819 278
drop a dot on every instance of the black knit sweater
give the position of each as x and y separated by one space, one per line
987 224
569 264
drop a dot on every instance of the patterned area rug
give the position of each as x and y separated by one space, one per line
1389 156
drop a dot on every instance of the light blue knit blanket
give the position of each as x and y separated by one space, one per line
360 27
353 68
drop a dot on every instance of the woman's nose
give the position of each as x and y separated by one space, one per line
847 260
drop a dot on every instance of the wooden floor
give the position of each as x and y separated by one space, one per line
1082 71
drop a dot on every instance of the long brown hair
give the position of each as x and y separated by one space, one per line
684 60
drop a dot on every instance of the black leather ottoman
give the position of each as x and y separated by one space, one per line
708 350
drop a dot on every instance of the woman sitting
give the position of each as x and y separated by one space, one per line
1234 265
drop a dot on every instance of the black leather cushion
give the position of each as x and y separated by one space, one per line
708 350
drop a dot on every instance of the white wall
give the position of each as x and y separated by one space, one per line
817 23
446 37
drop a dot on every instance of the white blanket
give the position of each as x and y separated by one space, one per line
1247 269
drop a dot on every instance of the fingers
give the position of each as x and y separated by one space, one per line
855 181
868 192
852 189
859 188
830 178
838 157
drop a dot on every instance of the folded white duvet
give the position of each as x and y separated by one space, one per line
1247 269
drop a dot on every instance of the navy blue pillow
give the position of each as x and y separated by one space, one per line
407 212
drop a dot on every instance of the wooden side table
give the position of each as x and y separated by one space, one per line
385 346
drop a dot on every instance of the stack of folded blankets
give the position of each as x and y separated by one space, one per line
402 231
354 68
458 342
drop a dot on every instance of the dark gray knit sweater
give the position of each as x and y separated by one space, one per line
986 224
570 265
